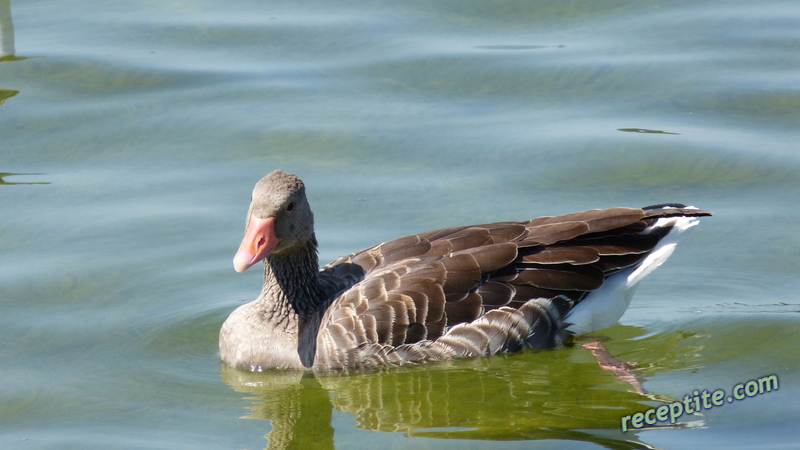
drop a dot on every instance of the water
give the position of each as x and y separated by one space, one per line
132 134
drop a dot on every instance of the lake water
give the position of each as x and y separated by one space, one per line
131 134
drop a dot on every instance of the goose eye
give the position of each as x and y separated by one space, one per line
290 207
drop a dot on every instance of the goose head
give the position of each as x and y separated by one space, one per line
279 222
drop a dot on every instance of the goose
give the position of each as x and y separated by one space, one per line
451 293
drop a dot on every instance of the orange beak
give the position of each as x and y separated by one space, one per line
259 241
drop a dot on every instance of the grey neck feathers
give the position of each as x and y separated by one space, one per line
291 285
295 274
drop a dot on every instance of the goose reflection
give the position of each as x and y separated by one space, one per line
557 394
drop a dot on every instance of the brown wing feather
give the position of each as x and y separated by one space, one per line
562 255
596 219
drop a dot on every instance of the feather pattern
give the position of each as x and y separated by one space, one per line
455 292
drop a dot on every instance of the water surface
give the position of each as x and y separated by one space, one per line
132 134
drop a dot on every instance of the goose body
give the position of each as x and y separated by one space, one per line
456 292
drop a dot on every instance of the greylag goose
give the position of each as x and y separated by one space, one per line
456 292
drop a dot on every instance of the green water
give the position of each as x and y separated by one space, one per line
131 135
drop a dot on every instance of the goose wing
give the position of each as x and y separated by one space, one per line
415 288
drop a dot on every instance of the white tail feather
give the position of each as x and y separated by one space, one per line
603 307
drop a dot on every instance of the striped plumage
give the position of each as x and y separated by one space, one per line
455 292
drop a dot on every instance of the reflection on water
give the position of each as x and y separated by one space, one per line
558 394
3 175
7 52
514 47
6 30
7 93
644 130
